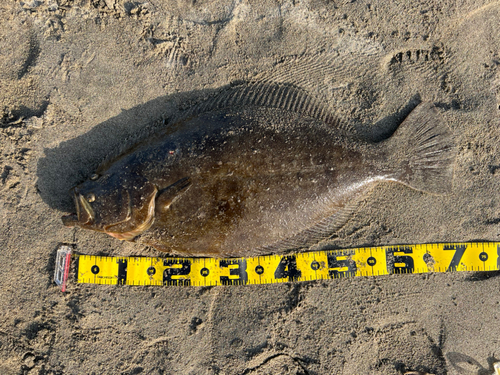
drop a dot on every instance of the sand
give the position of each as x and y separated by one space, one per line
81 78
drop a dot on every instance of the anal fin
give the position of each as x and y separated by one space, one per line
322 230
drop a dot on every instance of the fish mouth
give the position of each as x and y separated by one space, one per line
84 213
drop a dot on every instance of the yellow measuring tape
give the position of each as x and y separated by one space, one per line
270 269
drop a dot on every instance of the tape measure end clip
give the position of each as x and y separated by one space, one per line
63 260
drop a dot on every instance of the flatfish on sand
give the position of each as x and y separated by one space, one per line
261 168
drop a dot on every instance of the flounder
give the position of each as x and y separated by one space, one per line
262 168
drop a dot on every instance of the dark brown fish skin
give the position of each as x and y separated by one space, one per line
249 189
250 184
250 181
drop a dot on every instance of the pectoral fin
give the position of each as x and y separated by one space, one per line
168 195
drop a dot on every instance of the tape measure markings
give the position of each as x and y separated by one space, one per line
317 265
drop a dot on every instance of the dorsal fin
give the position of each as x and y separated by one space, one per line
243 94
270 95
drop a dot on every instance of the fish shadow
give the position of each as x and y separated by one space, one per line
386 126
74 161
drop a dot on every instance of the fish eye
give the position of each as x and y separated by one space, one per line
94 177
90 197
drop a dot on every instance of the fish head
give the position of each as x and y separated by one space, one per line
120 205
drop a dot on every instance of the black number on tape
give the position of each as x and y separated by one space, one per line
334 265
399 263
122 271
171 271
240 271
459 252
287 268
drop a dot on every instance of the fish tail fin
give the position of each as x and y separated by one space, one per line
424 151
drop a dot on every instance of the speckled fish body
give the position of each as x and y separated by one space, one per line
245 181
